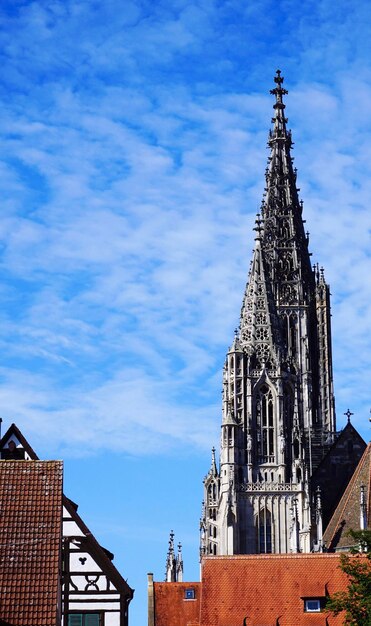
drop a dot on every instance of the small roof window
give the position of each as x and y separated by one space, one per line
313 605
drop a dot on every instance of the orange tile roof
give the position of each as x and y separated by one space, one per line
347 513
30 540
263 589
171 607
253 590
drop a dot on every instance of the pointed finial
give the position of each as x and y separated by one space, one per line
278 78
278 91
258 225
213 469
170 572
348 414
179 565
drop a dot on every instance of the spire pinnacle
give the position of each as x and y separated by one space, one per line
170 575
279 131
179 564
279 91
214 470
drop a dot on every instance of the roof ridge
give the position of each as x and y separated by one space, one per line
269 557
368 449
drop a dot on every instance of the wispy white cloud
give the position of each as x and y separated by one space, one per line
134 153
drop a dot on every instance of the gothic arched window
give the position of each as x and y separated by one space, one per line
211 493
296 449
264 531
265 424
288 407
293 334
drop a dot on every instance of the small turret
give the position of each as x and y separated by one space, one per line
170 575
208 521
174 564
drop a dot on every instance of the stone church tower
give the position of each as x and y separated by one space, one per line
278 416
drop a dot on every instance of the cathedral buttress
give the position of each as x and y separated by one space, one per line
278 416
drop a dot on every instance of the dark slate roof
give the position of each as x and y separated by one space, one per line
347 513
30 541
336 469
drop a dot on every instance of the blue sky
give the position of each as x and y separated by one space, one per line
133 153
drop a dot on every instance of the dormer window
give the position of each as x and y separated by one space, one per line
312 605
189 594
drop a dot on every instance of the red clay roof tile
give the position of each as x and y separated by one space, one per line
264 588
171 607
257 589
30 540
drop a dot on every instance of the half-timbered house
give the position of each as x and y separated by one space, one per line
93 592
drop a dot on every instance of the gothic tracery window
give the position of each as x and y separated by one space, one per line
265 424
264 531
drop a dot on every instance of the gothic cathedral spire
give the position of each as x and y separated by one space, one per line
278 416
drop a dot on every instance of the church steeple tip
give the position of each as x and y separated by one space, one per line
279 120
278 91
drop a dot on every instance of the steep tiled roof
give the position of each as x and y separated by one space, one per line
347 513
171 606
253 590
102 556
30 540
263 589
